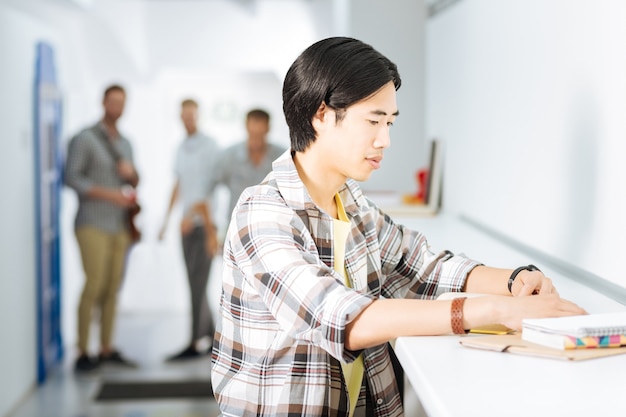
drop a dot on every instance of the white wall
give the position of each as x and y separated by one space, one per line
18 35
530 97
396 29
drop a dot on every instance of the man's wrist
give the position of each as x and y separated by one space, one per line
516 272
456 315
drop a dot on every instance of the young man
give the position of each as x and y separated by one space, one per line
195 158
248 162
99 165
317 280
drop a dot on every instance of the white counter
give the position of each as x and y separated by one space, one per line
455 381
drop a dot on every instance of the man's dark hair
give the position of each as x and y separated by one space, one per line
111 88
338 71
258 114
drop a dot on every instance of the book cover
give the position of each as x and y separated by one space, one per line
515 344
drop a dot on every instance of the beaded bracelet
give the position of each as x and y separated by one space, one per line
530 267
456 315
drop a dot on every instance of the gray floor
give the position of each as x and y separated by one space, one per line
147 339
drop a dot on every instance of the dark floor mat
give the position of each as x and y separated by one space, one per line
149 390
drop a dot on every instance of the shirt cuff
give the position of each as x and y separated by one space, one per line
454 272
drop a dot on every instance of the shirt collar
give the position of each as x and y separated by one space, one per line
297 197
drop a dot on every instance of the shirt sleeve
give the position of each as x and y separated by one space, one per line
218 171
76 164
127 151
272 253
412 268
177 162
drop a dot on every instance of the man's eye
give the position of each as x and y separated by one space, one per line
373 122
389 124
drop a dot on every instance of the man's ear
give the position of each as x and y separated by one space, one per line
320 116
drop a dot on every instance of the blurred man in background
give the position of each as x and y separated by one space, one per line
99 167
248 162
195 160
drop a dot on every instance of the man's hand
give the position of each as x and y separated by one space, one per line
126 170
186 225
532 282
211 243
121 198
515 309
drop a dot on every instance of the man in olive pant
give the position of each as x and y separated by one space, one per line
99 167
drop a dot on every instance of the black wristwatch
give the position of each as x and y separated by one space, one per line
530 267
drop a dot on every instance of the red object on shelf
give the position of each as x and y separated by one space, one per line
422 179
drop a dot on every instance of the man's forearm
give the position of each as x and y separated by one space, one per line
488 280
102 193
387 319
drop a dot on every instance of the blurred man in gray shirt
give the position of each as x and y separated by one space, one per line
248 162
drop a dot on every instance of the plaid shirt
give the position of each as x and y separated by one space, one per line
284 310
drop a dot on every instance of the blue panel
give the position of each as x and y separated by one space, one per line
48 182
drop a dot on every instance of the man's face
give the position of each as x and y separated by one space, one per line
257 129
354 146
114 105
189 116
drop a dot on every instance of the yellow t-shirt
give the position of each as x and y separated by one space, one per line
353 372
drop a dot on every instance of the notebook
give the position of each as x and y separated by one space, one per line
606 330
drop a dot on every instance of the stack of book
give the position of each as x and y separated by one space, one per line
607 330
